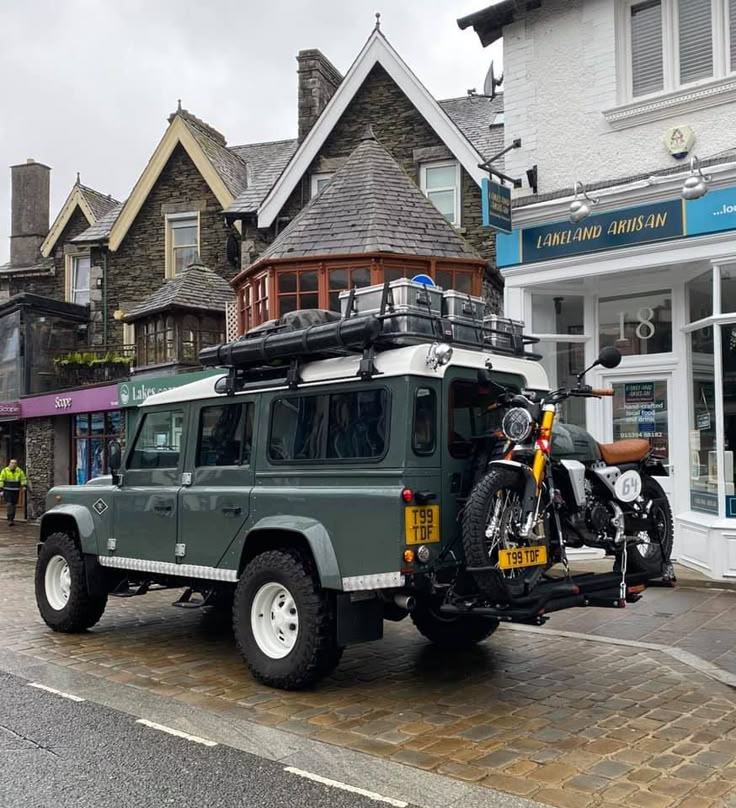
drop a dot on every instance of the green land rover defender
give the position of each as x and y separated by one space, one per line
316 488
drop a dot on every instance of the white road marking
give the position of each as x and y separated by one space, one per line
55 692
345 787
178 733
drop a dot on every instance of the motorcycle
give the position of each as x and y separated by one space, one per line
555 487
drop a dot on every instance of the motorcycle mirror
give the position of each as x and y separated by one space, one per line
609 357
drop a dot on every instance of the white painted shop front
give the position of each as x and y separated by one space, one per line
655 276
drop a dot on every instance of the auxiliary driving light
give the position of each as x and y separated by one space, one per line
423 554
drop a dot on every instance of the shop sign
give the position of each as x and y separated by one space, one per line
133 393
496 205
731 507
90 399
712 213
10 410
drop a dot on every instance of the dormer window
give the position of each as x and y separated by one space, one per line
440 182
318 182
182 237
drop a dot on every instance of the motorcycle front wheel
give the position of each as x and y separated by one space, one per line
491 520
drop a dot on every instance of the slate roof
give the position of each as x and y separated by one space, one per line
43 265
265 162
100 230
226 162
489 22
100 204
474 117
195 288
369 205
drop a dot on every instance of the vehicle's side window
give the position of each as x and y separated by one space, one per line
340 426
425 421
225 435
158 444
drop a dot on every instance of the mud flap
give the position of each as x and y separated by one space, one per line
358 620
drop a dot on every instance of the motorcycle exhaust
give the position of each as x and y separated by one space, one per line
407 602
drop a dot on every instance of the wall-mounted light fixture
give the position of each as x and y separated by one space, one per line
696 185
580 208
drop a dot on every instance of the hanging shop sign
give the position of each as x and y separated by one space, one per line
133 393
496 205
69 402
661 221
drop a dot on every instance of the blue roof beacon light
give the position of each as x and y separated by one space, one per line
425 279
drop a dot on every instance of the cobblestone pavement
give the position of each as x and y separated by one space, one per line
566 722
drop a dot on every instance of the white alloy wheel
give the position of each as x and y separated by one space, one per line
274 620
57 582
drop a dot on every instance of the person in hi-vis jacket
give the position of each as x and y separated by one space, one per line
12 479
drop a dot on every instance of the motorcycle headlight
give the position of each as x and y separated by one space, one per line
517 424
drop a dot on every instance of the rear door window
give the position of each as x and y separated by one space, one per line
424 433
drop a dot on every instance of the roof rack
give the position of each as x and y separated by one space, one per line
274 352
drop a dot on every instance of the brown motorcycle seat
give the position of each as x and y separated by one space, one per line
624 451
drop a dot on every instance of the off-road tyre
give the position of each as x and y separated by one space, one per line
661 549
315 653
81 610
494 584
450 631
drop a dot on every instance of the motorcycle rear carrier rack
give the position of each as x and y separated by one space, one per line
554 595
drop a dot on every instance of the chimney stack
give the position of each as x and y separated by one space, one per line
318 80
29 223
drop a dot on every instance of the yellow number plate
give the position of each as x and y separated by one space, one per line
522 557
422 524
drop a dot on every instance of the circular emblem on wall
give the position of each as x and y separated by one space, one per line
124 394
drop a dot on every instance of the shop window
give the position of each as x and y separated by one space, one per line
341 280
340 426
225 435
669 44
700 295
10 358
639 324
92 433
297 289
557 314
158 443
728 383
728 286
424 434
562 361
182 237
703 445
440 182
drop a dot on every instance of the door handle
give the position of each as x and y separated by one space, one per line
161 508
233 509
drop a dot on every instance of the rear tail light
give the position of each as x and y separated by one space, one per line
407 495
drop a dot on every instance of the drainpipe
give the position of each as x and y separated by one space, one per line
104 298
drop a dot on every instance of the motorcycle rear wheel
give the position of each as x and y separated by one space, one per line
499 493
649 556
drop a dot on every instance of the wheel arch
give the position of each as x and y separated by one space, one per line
74 520
302 533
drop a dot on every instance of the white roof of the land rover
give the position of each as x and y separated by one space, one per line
411 361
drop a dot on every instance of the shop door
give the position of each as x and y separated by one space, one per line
146 503
215 505
641 407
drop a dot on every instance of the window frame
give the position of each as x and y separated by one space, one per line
71 262
172 221
315 180
720 39
423 167
328 461
436 426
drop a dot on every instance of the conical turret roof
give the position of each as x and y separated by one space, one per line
370 205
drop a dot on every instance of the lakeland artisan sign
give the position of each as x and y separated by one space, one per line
496 205
660 221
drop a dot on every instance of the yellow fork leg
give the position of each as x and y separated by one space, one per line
545 434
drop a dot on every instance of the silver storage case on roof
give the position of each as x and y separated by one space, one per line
403 295
503 333
462 306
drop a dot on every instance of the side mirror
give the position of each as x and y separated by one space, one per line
609 357
114 455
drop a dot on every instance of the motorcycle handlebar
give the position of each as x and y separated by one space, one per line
602 391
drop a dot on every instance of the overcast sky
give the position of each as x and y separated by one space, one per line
87 85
